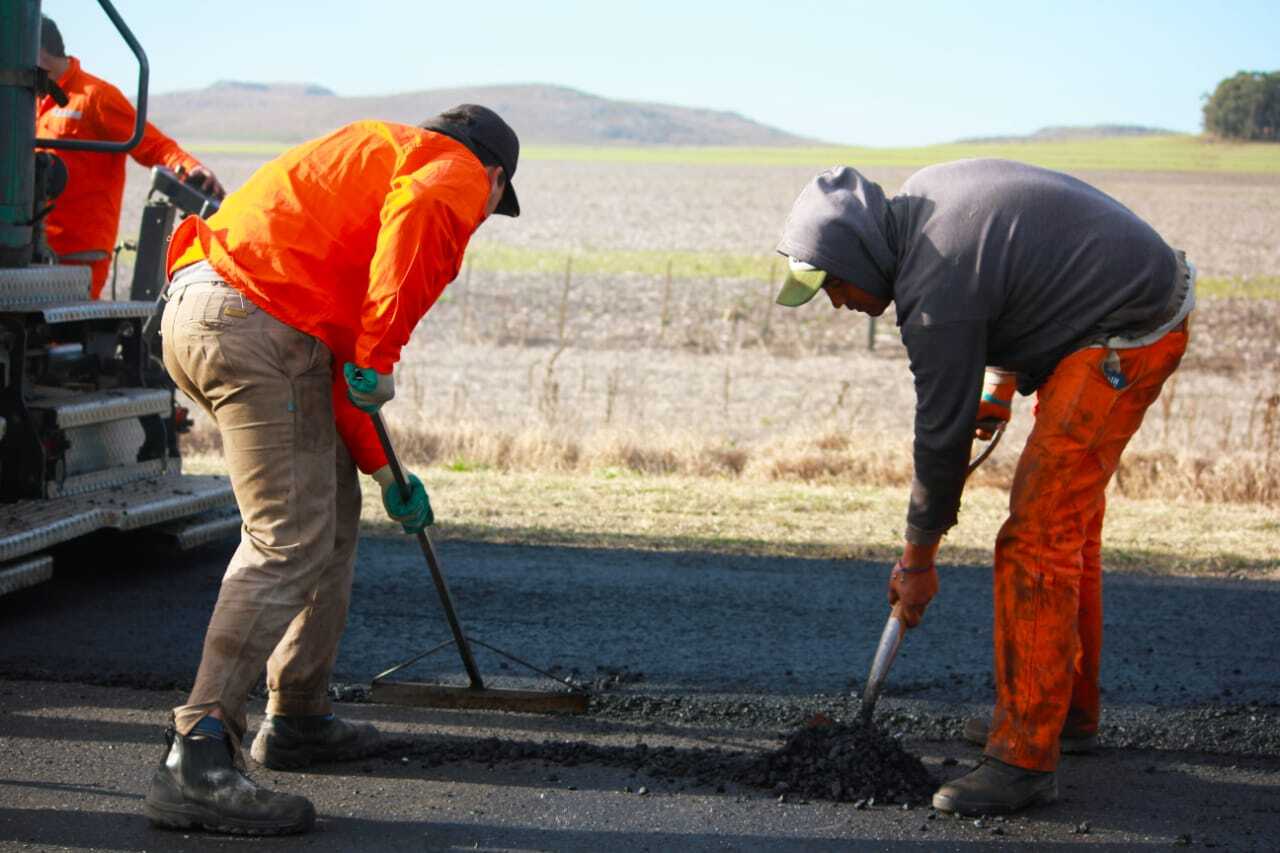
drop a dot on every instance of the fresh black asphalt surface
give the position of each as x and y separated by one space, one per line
691 623
692 648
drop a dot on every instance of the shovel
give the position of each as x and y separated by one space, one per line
477 695
894 627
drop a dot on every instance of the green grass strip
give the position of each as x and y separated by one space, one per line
496 257
1246 287
1180 153
1173 153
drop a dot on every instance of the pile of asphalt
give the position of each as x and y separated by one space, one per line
846 762
824 760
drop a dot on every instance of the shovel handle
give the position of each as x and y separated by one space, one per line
433 563
986 451
392 462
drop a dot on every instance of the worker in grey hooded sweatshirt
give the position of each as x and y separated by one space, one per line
1017 275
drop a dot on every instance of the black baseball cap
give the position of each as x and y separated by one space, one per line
50 38
489 138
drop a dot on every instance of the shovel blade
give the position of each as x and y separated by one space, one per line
886 651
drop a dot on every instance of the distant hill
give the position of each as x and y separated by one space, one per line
1063 133
549 115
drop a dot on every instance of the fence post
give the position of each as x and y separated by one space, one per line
768 300
564 300
665 318
466 303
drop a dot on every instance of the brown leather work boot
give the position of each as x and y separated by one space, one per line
291 743
197 786
976 730
994 787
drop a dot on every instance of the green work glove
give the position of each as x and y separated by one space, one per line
368 389
413 514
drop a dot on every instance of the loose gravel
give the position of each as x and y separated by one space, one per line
823 760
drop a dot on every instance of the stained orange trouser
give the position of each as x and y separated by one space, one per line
1048 567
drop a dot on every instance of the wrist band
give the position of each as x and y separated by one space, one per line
899 569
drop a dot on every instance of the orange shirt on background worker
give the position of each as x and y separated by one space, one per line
86 217
350 238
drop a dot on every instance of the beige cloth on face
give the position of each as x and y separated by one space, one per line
283 601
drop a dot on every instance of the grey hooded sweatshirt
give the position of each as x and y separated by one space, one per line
988 262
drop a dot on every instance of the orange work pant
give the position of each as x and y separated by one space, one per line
1048 566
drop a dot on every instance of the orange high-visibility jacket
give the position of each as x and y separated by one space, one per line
350 238
86 216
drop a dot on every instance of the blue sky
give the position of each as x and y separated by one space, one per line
869 73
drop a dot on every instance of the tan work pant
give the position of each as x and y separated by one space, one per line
284 597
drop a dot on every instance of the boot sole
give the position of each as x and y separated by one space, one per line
189 816
281 758
945 803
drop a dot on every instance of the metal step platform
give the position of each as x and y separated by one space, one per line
113 477
31 288
60 294
28 527
25 573
73 312
212 526
71 409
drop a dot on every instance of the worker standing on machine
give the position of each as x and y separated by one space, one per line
85 220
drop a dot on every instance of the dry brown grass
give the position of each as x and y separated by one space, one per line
826 456
722 515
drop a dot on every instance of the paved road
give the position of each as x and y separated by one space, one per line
731 651
692 623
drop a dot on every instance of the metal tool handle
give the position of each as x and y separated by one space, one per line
895 625
886 651
433 563
986 451
393 462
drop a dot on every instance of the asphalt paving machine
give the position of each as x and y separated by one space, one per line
89 420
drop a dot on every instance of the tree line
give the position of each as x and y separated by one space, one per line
1246 106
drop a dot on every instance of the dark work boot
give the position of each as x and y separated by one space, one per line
976 730
994 787
197 786
290 743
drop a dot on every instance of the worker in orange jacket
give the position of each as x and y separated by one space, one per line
85 220
287 312
1003 274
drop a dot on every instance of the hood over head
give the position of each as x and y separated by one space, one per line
842 223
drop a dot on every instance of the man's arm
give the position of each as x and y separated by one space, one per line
116 116
355 429
427 219
947 362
